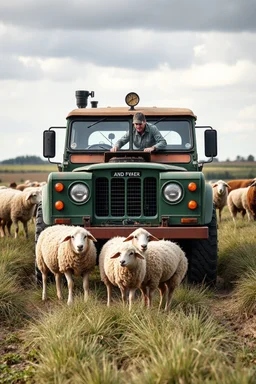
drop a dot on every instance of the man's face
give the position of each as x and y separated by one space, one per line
140 127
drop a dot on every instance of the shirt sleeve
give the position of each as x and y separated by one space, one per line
160 142
124 139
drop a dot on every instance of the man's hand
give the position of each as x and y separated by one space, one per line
150 149
114 149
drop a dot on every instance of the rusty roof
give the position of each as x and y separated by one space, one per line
124 111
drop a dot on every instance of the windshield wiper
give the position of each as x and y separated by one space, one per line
97 122
158 121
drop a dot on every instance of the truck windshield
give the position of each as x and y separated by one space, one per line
103 134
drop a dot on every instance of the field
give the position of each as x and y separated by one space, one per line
209 336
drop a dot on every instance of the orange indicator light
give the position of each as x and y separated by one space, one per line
192 187
59 187
59 205
192 204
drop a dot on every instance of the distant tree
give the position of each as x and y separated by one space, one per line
21 160
250 158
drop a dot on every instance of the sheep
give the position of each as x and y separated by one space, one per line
220 194
237 202
64 249
122 265
251 199
239 183
166 266
17 206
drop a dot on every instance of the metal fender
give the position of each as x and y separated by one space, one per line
46 204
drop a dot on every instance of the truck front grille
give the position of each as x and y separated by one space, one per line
125 197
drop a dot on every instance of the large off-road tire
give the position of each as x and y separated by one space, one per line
40 226
202 256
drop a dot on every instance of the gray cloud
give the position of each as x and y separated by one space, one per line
165 15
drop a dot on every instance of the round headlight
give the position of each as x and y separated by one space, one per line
79 193
172 192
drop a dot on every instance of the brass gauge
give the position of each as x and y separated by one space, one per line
132 99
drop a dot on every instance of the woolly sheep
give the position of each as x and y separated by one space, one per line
122 265
240 183
17 206
237 202
166 266
64 249
220 195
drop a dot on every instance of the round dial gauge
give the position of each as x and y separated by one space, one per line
132 99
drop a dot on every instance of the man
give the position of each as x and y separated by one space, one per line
146 136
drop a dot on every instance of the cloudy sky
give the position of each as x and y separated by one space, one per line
196 54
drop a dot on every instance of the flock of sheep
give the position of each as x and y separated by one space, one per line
18 203
140 261
238 195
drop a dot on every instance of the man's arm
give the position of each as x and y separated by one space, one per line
160 142
121 142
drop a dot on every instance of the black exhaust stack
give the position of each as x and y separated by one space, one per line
82 98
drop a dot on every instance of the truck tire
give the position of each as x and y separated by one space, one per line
40 226
203 256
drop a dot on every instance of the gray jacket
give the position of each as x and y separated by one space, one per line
151 136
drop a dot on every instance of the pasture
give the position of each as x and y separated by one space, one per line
209 336
212 171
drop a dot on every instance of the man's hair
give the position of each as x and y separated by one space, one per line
139 117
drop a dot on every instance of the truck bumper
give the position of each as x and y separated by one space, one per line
160 232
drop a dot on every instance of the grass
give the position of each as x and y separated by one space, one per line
90 343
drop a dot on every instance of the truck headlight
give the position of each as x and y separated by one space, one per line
79 193
172 192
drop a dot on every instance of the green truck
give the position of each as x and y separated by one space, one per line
112 193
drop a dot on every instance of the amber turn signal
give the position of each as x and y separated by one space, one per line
192 204
192 187
59 205
59 187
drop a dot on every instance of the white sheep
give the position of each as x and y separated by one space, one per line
17 206
122 265
220 195
64 249
166 265
237 202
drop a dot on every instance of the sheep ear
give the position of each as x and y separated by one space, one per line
91 237
29 195
214 185
65 239
115 255
130 237
153 238
137 254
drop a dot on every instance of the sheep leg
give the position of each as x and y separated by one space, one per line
15 222
144 291
58 285
25 226
173 283
2 226
44 282
86 286
131 297
109 293
70 282
9 224
150 296
162 290
123 294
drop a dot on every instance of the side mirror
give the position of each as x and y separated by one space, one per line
210 142
49 138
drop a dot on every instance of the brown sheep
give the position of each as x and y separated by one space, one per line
251 199
239 183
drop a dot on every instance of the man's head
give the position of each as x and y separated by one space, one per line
139 121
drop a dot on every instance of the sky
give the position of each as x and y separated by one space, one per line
196 54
